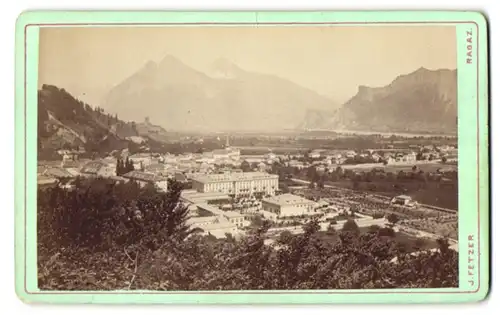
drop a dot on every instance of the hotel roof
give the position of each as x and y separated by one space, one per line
143 176
196 197
288 199
228 177
200 220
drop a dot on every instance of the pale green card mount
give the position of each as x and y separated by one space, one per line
473 239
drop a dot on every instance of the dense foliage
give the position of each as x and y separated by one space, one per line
438 188
106 236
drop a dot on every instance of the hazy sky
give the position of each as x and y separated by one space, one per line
333 61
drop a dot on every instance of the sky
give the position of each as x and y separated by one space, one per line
332 60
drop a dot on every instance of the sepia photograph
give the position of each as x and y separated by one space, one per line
247 157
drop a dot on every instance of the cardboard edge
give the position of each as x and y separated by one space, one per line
27 17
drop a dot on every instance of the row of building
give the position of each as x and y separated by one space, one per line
218 222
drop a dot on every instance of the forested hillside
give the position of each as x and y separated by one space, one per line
65 122
106 236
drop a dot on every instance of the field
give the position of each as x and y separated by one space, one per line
432 193
407 167
426 167
444 226
258 150
407 241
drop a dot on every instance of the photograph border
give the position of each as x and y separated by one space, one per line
472 235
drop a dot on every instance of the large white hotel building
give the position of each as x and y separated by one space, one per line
237 184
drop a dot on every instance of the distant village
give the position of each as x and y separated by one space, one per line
225 190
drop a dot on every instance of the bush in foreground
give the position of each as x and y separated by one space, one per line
113 237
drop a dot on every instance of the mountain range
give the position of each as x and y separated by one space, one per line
226 98
422 101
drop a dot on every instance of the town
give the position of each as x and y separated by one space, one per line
223 164
228 192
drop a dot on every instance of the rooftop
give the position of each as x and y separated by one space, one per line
225 151
180 177
42 180
145 177
196 197
70 164
140 156
234 177
403 197
233 214
188 192
209 208
200 220
57 172
217 226
288 199
92 167
155 167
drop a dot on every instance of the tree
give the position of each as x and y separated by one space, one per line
390 176
129 165
285 237
330 230
312 173
119 167
444 159
401 175
414 168
355 184
245 166
125 236
284 188
418 244
350 226
373 228
393 219
386 231
321 183
339 170
256 221
230 238
443 245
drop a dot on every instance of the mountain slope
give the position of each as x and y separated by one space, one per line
181 98
65 122
422 101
